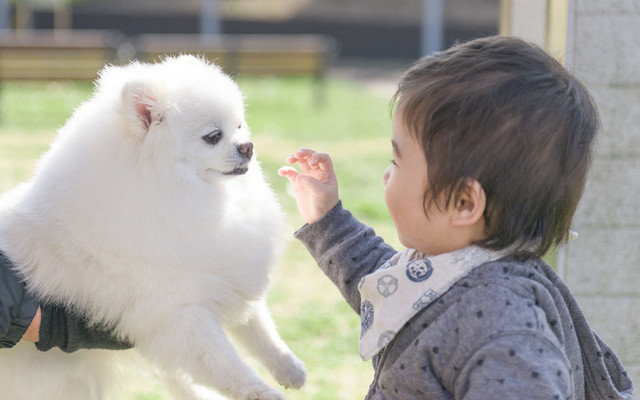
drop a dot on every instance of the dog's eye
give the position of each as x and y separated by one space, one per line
239 126
213 138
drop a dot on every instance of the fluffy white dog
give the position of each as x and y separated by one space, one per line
151 215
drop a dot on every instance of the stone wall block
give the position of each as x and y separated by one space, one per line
619 109
607 7
598 259
607 50
611 194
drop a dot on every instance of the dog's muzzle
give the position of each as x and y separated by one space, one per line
246 152
238 171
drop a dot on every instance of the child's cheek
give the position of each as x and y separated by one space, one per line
390 199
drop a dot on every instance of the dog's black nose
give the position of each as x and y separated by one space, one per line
246 149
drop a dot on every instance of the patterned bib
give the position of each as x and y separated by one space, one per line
406 284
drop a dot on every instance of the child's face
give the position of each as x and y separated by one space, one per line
405 183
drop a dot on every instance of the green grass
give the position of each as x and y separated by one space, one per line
353 125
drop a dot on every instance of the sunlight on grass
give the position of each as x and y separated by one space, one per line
33 107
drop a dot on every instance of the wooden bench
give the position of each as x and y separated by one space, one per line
246 54
249 54
56 55
79 55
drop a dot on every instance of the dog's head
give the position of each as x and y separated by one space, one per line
183 112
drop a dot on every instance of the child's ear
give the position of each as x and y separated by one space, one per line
470 207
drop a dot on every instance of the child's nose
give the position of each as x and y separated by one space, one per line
386 175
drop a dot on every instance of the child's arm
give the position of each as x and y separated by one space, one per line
344 248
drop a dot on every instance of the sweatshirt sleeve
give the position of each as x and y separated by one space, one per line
345 249
520 365
17 307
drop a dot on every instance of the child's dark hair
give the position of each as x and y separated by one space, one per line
503 112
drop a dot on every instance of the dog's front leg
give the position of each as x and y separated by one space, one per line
193 341
260 337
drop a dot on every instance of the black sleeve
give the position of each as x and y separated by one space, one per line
17 307
70 332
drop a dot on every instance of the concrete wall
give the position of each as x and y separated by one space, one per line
602 267
528 20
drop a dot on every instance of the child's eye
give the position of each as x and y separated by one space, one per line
393 162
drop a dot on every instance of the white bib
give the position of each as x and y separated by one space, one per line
406 284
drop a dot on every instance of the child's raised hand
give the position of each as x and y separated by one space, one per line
315 186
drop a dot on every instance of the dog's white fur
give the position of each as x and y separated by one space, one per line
138 221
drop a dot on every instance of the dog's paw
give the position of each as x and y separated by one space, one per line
290 372
264 393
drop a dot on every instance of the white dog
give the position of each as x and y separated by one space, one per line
151 215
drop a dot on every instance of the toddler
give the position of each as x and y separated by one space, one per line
491 145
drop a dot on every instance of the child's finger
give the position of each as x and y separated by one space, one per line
312 162
305 152
301 155
292 159
322 160
289 173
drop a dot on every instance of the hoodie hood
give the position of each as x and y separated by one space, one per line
604 374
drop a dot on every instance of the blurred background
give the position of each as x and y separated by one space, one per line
380 29
359 38
321 73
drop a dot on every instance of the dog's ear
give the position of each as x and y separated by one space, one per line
141 107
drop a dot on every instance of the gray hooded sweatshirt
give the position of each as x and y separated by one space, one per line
508 330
